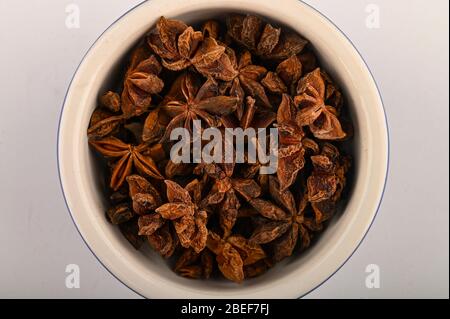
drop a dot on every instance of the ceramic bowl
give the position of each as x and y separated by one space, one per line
144 271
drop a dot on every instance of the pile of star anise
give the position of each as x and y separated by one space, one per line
222 217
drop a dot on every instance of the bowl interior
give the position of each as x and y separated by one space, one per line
145 271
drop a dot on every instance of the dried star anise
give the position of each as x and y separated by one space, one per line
140 83
188 100
293 143
253 116
285 77
195 265
262 38
284 222
247 81
218 217
180 46
233 253
187 218
225 192
103 124
321 118
128 156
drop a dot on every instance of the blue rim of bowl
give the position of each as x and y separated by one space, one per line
387 164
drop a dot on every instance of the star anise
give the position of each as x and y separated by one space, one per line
154 126
188 101
120 213
233 253
247 81
110 101
262 38
328 177
285 77
293 143
144 195
141 82
253 116
164 240
174 42
211 28
128 156
103 123
284 221
322 119
195 265
185 215
180 46
224 193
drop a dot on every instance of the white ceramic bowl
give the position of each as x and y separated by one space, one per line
146 273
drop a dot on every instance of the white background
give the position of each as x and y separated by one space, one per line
408 56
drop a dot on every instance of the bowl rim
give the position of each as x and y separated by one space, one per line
371 77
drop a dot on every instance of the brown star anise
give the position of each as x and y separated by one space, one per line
211 28
262 38
285 77
140 83
144 195
188 101
328 177
233 253
322 119
179 47
253 116
128 156
284 223
188 219
224 193
247 81
110 101
293 143
103 123
195 265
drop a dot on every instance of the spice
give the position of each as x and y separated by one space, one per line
222 218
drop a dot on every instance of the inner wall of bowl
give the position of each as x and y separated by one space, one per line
151 276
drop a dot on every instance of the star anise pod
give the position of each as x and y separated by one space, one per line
180 46
322 119
103 123
233 253
164 240
284 222
144 195
247 81
328 177
225 194
253 116
110 101
211 28
187 218
195 265
174 42
128 156
140 83
262 38
120 213
285 77
154 126
188 101
293 143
